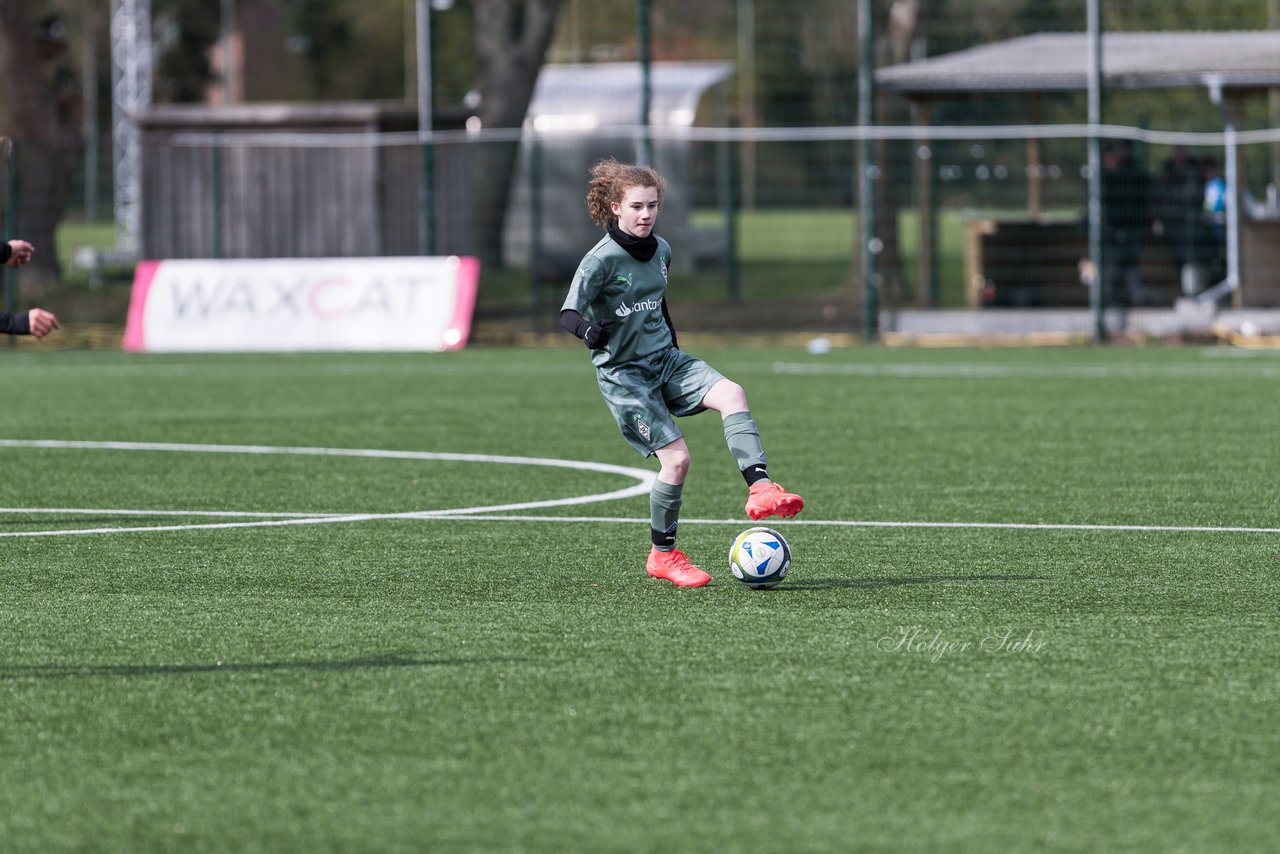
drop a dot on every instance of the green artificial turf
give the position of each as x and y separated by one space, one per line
1033 607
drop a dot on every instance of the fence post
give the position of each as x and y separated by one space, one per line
216 196
535 224
426 201
426 124
729 210
10 221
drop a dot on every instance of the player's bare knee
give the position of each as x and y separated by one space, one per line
726 397
675 463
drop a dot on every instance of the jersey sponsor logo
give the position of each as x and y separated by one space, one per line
643 305
624 310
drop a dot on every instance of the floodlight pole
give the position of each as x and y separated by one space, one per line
1096 249
645 155
868 244
747 96
131 60
1273 95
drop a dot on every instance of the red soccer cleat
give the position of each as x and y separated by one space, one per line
769 499
676 568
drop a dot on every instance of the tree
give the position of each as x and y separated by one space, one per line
324 34
38 112
511 38
186 31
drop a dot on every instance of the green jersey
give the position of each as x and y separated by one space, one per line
612 285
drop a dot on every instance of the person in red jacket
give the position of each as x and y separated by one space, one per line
37 322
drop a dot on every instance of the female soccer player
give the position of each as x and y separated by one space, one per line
617 306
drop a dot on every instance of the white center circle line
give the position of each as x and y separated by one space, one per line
644 482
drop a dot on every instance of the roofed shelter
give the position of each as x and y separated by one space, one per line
581 114
1228 65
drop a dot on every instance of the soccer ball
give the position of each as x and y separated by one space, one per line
760 558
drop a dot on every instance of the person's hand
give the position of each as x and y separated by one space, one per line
22 252
41 322
597 334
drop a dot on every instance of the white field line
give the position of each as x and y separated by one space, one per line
981 371
479 515
643 477
377 453
855 523
489 513
116 511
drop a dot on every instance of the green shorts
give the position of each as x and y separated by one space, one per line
648 394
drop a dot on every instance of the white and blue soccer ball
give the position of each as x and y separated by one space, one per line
760 558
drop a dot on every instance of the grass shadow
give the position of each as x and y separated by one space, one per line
10 672
874 583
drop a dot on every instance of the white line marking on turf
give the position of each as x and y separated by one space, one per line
114 511
981 371
487 513
644 482
853 523
183 447
471 516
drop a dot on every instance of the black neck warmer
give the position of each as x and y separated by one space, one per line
639 248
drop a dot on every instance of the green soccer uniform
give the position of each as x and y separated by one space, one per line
612 285
645 380
617 305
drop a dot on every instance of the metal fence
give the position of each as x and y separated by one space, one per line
980 197
977 216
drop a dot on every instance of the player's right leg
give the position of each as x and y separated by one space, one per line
675 566
665 560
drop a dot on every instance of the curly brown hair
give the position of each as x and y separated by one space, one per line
610 181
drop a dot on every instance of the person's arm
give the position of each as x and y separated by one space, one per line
15 253
37 323
666 315
594 335
40 322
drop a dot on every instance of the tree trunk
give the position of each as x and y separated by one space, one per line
46 137
511 45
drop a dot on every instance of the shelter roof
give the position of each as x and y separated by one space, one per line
580 97
1059 61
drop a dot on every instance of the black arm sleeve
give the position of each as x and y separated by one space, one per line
6 251
666 315
574 323
15 324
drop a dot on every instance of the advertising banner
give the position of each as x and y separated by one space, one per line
297 304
